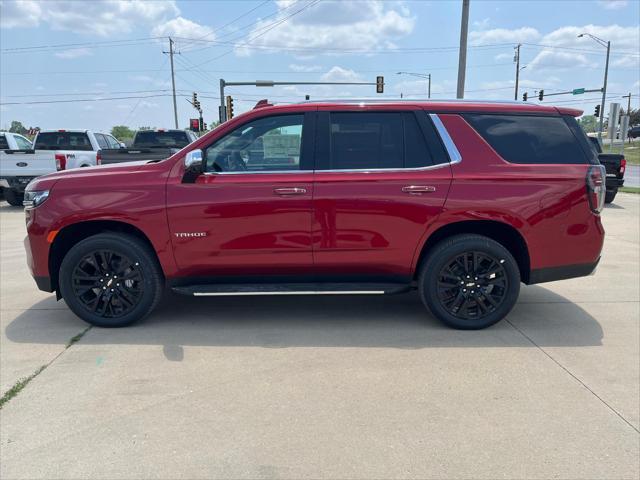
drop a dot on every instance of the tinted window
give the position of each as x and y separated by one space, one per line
266 144
23 143
63 141
172 139
366 141
113 143
529 139
416 152
102 142
3 143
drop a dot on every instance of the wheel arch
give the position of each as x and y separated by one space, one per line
76 232
503 233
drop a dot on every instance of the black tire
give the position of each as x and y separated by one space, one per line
102 258
610 195
486 299
13 198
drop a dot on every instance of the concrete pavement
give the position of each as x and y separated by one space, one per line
329 387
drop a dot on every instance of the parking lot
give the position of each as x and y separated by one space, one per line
330 387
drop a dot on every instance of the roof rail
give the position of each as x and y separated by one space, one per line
413 100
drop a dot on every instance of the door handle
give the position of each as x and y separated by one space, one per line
290 191
418 189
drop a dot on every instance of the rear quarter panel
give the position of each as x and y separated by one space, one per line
547 204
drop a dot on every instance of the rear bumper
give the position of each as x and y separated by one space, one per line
15 183
563 272
614 182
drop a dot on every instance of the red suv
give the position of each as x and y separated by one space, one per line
459 200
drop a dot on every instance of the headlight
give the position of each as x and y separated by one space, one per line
34 199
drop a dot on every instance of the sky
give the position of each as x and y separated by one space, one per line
96 64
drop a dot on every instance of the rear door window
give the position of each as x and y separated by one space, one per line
63 141
102 141
4 145
23 143
531 139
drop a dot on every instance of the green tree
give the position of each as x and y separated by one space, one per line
122 132
17 127
589 123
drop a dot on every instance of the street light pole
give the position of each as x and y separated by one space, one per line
429 89
517 70
420 75
462 54
606 74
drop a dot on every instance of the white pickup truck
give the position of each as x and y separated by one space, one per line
52 150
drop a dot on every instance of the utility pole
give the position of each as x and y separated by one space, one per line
628 97
462 58
517 70
429 89
173 81
604 92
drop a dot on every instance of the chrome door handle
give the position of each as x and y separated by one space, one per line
418 189
290 191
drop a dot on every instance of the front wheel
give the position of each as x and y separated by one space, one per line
110 280
469 281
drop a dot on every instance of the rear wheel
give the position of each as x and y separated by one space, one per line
110 280
13 198
610 195
469 282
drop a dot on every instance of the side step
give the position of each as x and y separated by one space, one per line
225 290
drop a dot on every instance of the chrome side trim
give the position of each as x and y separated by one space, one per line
452 150
309 292
261 172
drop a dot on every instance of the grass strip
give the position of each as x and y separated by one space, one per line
630 189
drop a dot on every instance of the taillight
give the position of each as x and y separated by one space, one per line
61 161
623 165
98 158
596 187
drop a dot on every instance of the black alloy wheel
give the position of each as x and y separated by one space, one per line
469 281
111 279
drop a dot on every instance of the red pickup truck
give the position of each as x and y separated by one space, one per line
462 201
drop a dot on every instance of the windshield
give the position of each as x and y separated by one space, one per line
63 141
175 139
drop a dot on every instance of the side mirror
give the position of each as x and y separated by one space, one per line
122 145
192 166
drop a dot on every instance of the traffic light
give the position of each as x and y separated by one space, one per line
596 113
204 126
525 95
195 101
194 124
540 95
379 84
229 107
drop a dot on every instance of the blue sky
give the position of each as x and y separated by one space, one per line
99 50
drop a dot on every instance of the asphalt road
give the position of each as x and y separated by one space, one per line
328 387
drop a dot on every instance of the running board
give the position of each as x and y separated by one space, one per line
228 290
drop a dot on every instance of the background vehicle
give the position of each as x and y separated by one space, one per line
12 149
53 150
150 145
634 132
615 165
462 201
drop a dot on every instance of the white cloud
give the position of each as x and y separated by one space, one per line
96 17
482 24
613 4
73 53
304 68
339 74
503 35
363 25
626 61
560 60
20 14
504 56
181 27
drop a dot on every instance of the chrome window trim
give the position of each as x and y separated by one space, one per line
449 145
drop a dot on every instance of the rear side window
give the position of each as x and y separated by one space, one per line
530 139
172 139
102 141
23 143
3 143
374 141
63 141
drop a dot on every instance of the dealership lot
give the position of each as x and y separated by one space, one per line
335 387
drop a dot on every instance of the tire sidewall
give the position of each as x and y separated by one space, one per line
442 254
135 252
